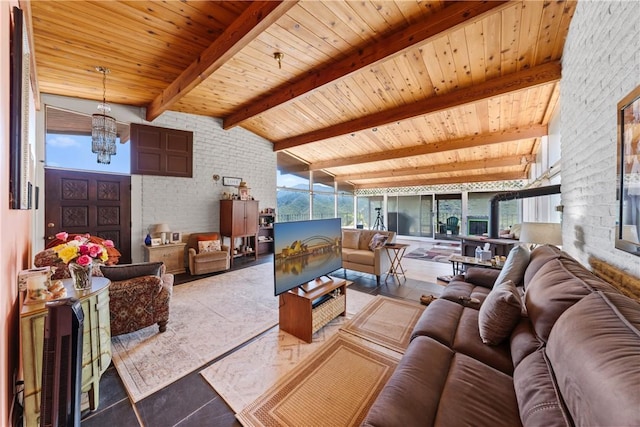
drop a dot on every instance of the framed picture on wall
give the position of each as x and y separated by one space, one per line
175 237
628 173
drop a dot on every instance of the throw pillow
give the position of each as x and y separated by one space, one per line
515 265
209 246
206 237
499 313
350 239
377 240
118 273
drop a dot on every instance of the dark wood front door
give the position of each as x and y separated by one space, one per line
85 202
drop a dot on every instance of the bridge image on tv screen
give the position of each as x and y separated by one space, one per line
305 250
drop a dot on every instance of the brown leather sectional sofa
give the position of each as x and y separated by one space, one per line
572 359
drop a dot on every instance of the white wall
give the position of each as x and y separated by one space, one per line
600 65
186 204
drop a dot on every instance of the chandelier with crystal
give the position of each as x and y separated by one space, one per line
103 127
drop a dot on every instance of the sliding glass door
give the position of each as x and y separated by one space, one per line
411 215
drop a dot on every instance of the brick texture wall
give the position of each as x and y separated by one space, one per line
600 65
192 204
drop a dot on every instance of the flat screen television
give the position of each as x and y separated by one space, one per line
305 251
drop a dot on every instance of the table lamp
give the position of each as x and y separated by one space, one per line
163 229
541 233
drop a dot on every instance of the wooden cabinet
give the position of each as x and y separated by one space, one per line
265 233
303 313
171 254
239 220
96 345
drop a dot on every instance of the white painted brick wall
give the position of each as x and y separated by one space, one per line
192 204
600 65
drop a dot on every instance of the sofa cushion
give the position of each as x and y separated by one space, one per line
558 284
121 272
515 265
523 341
539 257
499 313
456 327
377 241
594 349
538 401
434 385
456 289
350 239
359 257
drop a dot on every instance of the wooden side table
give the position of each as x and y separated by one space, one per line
172 254
96 345
395 252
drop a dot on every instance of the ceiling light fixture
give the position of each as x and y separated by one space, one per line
279 56
103 127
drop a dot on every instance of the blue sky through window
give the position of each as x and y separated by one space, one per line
74 152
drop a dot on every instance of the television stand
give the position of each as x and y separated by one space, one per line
300 318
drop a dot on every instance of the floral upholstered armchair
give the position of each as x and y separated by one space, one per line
139 296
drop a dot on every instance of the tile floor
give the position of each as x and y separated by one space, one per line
190 401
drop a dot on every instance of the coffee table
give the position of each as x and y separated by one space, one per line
460 263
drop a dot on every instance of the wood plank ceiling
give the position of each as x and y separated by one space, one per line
376 93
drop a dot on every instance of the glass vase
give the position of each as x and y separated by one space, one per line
81 276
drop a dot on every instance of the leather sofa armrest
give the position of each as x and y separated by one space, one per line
479 276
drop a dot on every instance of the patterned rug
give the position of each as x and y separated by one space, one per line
241 377
386 321
438 252
335 386
208 318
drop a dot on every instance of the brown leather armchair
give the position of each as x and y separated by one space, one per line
139 296
206 262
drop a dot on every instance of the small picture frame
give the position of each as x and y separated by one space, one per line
244 193
175 237
156 242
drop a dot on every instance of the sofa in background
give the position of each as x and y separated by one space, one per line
207 262
139 296
570 356
356 254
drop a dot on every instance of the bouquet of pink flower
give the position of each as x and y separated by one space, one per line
80 250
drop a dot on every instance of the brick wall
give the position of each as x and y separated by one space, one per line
600 65
192 204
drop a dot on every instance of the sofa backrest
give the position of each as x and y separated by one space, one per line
556 285
364 237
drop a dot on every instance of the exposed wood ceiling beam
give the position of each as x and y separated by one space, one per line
445 20
533 131
542 74
442 168
253 21
448 180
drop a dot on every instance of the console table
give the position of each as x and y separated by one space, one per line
300 318
96 345
500 247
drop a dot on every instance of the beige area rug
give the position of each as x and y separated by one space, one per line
208 317
243 376
335 386
386 321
